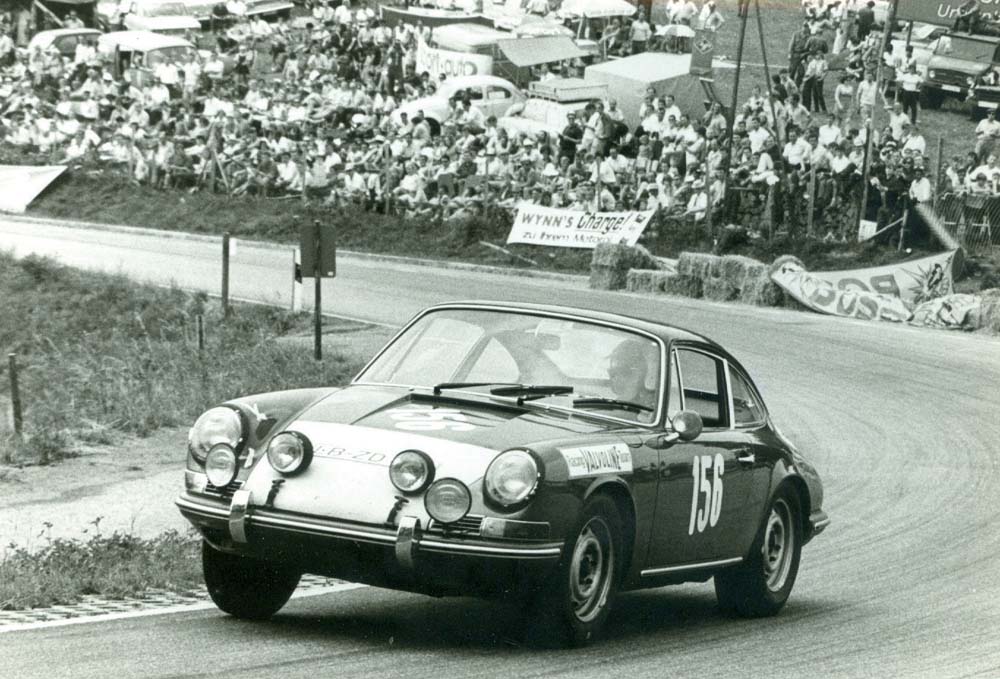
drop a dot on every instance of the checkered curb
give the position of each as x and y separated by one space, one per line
96 607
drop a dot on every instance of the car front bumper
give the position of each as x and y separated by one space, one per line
404 556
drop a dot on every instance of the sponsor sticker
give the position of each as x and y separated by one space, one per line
595 460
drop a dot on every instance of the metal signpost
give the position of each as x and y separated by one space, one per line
319 259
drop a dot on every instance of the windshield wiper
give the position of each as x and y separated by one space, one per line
464 385
529 392
601 402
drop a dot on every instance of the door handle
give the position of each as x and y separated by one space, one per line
745 457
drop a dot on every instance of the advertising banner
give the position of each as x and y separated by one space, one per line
437 61
537 225
702 53
20 184
823 296
430 17
942 12
914 282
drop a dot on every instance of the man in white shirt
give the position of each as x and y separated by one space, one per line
796 150
920 187
830 132
913 143
987 132
910 82
757 135
897 120
867 93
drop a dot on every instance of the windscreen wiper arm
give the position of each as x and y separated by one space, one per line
530 392
601 402
438 388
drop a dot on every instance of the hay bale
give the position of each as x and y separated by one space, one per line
989 311
697 264
720 290
682 286
610 264
761 291
639 280
659 280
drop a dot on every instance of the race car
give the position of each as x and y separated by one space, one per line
546 455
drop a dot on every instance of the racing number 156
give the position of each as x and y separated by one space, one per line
706 514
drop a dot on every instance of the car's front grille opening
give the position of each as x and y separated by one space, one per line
225 492
467 525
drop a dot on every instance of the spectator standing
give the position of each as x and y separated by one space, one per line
639 33
867 95
710 18
987 132
797 53
909 83
866 20
812 87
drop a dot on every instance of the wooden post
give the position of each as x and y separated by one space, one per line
318 278
902 228
225 275
201 336
812 200
15 395
937 173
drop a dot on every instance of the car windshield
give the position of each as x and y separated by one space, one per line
611 371
169 55
962 48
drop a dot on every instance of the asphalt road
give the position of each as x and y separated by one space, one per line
902 423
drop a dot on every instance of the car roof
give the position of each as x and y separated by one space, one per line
461 81
43 36
668 333
143 40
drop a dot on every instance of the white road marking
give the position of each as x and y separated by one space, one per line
144 613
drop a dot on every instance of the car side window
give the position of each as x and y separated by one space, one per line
747 409
494 93
701 381
472 93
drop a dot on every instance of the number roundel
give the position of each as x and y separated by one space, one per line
705 513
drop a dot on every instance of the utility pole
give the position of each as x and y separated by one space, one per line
870 123
744 14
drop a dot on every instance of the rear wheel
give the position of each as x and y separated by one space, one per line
246 588
760 586
575 603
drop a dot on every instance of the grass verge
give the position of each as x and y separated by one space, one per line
115 566
99 354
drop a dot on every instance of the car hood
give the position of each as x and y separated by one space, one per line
939 62
357 431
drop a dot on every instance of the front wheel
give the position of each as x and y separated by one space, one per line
246 588
576 601
760 586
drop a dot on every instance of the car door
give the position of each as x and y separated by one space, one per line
498 99
702 488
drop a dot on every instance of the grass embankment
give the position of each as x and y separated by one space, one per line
101 355
114 566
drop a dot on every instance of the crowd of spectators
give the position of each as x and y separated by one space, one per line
305 108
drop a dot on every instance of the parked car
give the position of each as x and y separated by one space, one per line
135 55
548 103
549 454
159 16
959 60
64 39
491 95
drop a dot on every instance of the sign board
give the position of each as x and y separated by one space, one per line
942 12
914 282
437 62
21 184
328 250
702 52
535 225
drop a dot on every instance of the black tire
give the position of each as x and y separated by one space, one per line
575 602
932 99
246 588
760 586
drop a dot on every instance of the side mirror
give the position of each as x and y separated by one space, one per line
687 425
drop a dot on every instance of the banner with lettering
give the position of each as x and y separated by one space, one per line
437 61
536 225
914 282
942 12
20 184
823 296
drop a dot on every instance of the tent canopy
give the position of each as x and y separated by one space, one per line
541 50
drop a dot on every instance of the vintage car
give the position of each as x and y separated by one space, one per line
160 16
136 55
491 95
958 62
547 455
64 39
548 104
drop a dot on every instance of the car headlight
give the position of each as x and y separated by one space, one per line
447 500
215 426
411 471
931 74
290 453
511 478
220 465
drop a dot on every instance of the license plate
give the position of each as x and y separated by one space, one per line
951 88
988 104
